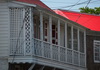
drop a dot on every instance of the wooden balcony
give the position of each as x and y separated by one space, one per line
51 52
26 48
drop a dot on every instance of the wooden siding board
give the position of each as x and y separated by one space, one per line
91 65
4 29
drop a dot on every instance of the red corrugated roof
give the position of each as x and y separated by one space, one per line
89 21
36 2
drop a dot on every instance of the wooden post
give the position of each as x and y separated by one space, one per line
50 28
42 68
41 31
32 66
58 39
72 44
58 32
85 46
79 46
66 41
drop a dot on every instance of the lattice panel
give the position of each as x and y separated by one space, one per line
16 31
62 54
37 47
82 59
55 52
69 56
47 51
27 22
76 57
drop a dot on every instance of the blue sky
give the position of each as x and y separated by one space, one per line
63 4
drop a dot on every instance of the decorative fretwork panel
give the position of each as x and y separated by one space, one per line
47 51
62 54
69 56
27 23
55 52
76 57
82 59
16 31
37 47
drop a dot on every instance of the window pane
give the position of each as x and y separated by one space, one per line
81 37
75 39
69 36
36 26
97 50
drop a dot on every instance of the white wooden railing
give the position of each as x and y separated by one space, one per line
54 52
58 53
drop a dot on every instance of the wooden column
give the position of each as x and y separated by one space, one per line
66 40
50 35
41 31
79 46
85 46
32 66
58 39
72 44
42 68
58 32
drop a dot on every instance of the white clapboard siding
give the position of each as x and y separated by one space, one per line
4 30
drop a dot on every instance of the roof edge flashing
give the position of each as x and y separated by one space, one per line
22 3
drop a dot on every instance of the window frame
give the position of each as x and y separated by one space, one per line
95 42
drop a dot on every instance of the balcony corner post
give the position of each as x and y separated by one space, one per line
41 31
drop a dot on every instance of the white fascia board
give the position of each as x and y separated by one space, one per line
22 3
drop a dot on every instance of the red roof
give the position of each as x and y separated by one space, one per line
89 21
36 2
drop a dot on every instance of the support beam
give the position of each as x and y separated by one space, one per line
32 66
54 69
42 68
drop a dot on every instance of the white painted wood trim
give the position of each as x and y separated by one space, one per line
79 46
66 41
24 28
32 32
9 31
31 22
32 66
85 46
58 26
50 28
22 3
72 44
41 31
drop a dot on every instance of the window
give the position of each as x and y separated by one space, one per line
36 27
75 39
54 34
45 30
81 37
69 37
96 51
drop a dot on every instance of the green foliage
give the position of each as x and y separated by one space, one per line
96 10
